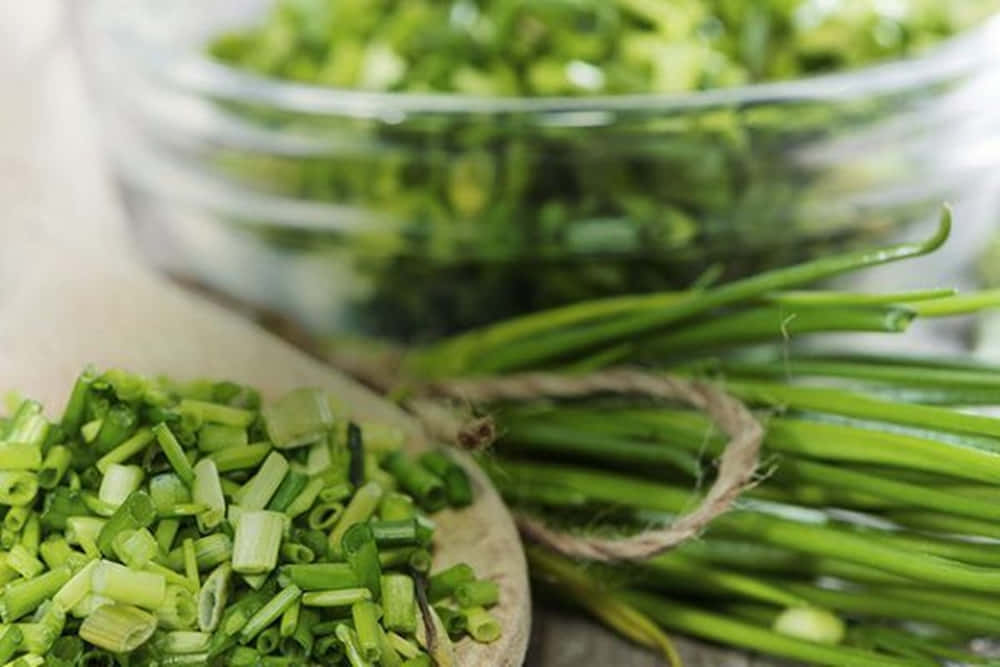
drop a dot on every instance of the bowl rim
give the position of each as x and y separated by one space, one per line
197 73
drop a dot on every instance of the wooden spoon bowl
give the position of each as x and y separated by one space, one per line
60 310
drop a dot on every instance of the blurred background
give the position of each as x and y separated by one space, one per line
402 171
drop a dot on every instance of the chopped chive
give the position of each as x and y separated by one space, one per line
174 452
458 487
136 512
297 553
258 491
134 587
318 459
215 413
482 626
167 491
55 551
17 487
179 609
425 487
119 482
398 603
325 515
135 548
166 531
213 437
478 593
365 615
240 458
190 560
290 619
54 466
360 551
289 489
305 499
455 623
20 456
22 561
25 595
403 646
117 425
16 517
184 641
207 490
84 530
123 452
299 643
396 506
352 648
257 541
172 578
321 576
298 418
444 583
270 612
402 533
118 628
213 597
268 642
73 413
336 492
31 535
361 507
355 447
344 597
89 430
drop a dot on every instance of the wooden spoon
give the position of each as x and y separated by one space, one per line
62 308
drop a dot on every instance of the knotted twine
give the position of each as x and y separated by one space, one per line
737 465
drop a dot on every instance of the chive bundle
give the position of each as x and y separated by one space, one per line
871 537
163 524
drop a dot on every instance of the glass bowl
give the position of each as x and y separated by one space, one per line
411 216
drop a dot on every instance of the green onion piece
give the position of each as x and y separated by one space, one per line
290 619
299 643
811 624
166 531
21 560
73 413
172 578
16 517
167 491
55 551
32 534
97 506
118 483
321 576
240 458
352 649
414 558
300 417
336 492
305 499
213 597
89 430
399 603
361 508
269 613
184 641
118 628
116 427
54 466
479 593
135 548
325 515
123 452
482 626
10 642
396 506
136 512
83 531
20 456
356 450
441 649
215 413
361 553
395 533
257 540
59 504
77 587
455 623
17 487
207 490
89 603
366 616
190 560
66 651
382 437
403 646
297 553
329 650
444 583
134 587
255 581
425 487
36 638
457 485
213 437
24 596
344 597
288 490
268 642
179 610
318 459
257 492
174 453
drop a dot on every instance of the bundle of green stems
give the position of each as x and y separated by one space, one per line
869 539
